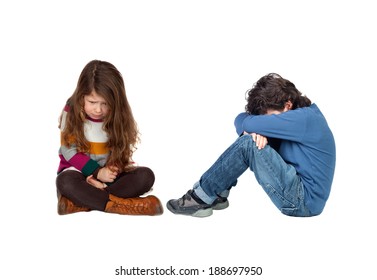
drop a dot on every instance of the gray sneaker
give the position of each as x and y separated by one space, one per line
187 205
220 203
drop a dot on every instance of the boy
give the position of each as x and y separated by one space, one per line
285 140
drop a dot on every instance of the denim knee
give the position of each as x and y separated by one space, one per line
246 141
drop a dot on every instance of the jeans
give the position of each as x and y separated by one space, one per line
279 179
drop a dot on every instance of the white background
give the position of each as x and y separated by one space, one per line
187 66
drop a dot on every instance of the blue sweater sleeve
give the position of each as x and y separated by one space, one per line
239 121
290 125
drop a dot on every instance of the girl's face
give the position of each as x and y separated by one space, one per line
95 106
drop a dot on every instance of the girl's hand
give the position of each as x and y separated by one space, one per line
95 183
107 174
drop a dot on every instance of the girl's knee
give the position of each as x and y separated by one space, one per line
68 179
143 178
145 171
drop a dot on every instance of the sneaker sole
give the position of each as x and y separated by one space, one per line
202 213
221 205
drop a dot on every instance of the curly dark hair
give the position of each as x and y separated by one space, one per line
272 92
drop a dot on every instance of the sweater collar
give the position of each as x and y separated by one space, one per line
93 120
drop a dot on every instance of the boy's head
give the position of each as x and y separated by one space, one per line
274 93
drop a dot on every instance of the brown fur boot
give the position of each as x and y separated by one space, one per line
149 205
65 206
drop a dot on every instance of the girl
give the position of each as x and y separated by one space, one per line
98 138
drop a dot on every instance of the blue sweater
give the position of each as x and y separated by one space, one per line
307 143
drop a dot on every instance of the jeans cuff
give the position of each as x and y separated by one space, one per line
202 195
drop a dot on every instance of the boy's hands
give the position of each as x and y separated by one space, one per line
260 140
107 174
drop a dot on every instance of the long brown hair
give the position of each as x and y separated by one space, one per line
119 124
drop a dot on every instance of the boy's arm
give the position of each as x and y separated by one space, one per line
289 125
238 123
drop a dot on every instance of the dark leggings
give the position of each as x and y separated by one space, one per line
72 184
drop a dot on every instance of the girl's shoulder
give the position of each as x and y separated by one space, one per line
63 116
67 106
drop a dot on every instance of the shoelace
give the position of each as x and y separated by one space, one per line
185 197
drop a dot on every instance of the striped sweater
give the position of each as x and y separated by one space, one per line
86 163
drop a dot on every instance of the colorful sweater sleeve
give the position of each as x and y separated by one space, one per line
69 156
80 161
